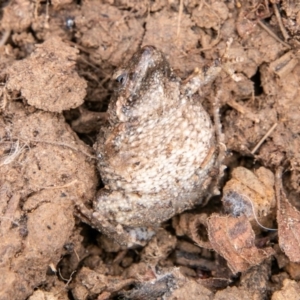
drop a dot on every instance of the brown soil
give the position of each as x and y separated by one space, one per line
56 60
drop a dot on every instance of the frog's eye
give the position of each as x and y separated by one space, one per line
121 77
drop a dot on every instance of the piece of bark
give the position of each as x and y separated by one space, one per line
194 226
288 218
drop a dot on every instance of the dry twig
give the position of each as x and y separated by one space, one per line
279 20
264 138
64 145
272 34
5 37
179 18
243 110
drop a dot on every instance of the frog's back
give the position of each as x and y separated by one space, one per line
160 154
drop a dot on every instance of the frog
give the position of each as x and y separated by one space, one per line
156 153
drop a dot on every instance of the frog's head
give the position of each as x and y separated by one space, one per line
142 86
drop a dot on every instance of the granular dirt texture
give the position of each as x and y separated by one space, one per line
57 60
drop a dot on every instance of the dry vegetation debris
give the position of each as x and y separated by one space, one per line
56 59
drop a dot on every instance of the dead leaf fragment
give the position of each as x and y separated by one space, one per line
251 193
233 238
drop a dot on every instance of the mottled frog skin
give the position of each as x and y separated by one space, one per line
155 154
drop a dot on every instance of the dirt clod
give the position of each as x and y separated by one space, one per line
47 79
